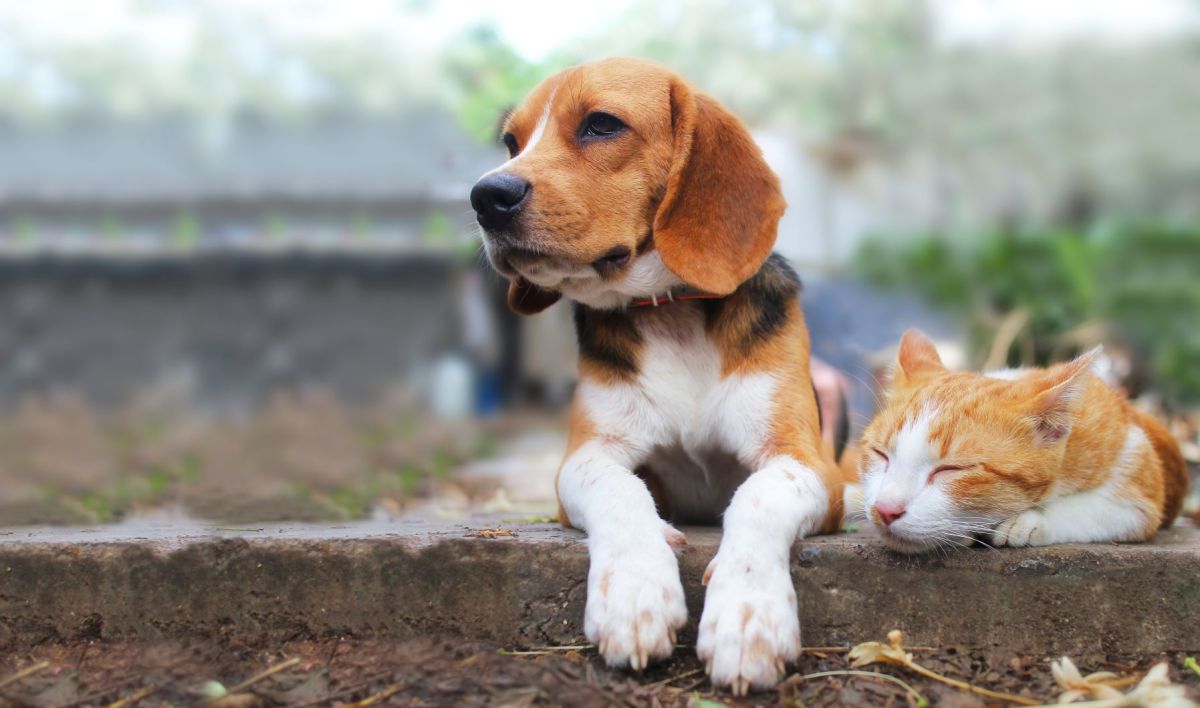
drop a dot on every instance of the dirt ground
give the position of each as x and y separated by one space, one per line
444 672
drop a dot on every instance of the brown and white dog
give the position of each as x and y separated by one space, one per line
650 206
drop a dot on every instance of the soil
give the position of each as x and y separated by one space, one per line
460 672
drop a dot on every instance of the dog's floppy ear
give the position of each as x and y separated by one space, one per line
717 222
525 298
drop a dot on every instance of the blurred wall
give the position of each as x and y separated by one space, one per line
223 332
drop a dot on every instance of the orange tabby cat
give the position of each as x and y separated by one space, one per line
1017 457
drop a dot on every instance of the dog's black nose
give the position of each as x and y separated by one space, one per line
497 199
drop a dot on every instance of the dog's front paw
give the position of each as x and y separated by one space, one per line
1029 528
635 602
750 628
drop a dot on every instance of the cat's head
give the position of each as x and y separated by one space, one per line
950 455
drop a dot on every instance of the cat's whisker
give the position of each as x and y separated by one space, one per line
946 539
872 387
973 540
978 528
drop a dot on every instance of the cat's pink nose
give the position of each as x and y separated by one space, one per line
889 511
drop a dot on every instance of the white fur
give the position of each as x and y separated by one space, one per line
701 433
741 407
679 370
750 626
1105 513
1006 374
854 503
931 518
635 600
539 129
646 277
902 480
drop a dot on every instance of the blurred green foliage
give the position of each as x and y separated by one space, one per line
489 78
1140 281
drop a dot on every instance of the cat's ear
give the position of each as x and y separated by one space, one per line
1056 391
917 358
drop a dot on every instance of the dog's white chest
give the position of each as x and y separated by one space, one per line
696 430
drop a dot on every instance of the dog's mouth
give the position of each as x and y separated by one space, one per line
544 269
548 269
512 261
613 261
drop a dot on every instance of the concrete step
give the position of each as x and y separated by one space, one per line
525 585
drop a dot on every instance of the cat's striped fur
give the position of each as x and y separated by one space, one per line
1019 458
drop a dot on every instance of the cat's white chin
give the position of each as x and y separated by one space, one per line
902 544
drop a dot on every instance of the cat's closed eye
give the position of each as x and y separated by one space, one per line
945 469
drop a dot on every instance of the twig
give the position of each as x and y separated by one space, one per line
88 699
346 691
25 673
921 701
1010 327
262 675
843 650
134 698
381 696
664 682
895 653
688 687
333 654
542 651
971 688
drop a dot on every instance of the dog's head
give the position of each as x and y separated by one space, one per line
623 182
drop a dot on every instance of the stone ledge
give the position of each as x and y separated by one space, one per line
407 579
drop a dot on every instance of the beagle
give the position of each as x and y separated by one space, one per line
649 205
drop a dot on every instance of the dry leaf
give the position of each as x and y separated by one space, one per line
1076 686
893 653
497 532
1157 691
878 653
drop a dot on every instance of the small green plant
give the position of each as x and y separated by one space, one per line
1192 665
1138 280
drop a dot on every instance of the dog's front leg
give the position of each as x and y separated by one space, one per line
635 599
750 627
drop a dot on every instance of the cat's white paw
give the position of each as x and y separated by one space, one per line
1029 528
635 600
750 628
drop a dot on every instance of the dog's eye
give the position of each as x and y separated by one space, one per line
601 125
510 142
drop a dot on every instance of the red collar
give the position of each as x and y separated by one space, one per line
679 294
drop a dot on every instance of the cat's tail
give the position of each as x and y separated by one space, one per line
1175 471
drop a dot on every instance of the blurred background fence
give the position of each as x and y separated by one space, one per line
239 274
